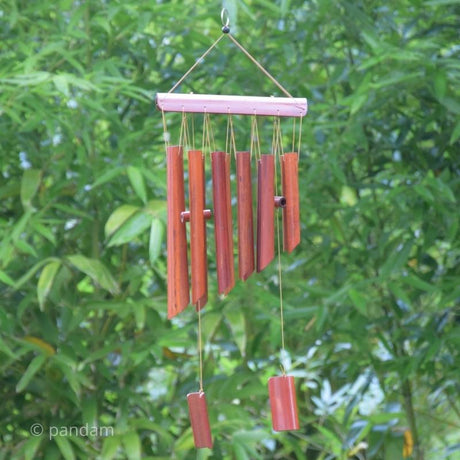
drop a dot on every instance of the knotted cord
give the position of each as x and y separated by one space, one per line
277 148
246 53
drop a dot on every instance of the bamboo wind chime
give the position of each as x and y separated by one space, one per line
281 388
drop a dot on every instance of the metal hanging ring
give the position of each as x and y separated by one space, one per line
225 18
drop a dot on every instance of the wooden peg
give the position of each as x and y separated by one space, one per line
185 216
223 221
178 285
245 217
280 202
265 211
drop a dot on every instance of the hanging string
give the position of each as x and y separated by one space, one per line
184 136
227 133
280 136
193 131
241 47
251 143
232 137
259 66
300 136
200 351
274 140
293 135
181 132
277 138
205 141
230 144
198 62
277 147
255 142
208 135
212 143
203 138
165 131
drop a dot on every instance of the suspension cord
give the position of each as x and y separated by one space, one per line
200 350
226 31
277 150
300 136
259 66
197 63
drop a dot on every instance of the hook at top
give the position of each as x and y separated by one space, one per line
225 18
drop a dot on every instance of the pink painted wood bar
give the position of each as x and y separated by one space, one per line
232 105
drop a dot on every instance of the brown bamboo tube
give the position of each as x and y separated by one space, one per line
178 285
223 221
197 229
199 419
265 211
291 213
245 218
283 403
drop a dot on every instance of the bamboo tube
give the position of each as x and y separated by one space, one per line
197 229
199 419
291 212
265 211
283 403
245 218
223 221
178 285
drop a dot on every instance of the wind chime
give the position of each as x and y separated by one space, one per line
281 388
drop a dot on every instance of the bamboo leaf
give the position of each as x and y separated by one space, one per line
137 182
31 447
45 282
237 325
156 239
6 279
110 447
34 366
455 134
397 259
359 300
41 345
118 218
132 444
29 186
96 270
65 447
133 227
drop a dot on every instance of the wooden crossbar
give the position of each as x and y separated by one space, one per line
232 105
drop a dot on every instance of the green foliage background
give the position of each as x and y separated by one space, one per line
371 295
